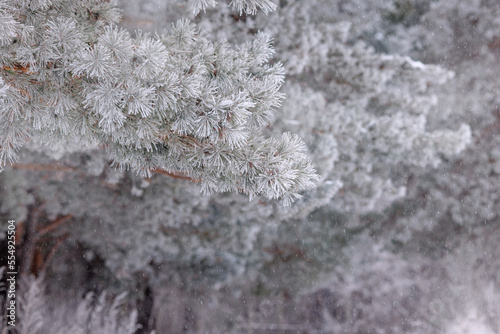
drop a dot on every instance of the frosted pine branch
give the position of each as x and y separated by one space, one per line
251 6
242 6
176 101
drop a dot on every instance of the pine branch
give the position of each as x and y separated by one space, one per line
174 102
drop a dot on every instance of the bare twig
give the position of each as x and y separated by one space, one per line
175 175
54 249
60 168
56 223
41 167
29 242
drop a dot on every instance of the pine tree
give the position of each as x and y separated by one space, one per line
386 132
174 102
363 114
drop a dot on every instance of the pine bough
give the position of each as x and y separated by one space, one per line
175 101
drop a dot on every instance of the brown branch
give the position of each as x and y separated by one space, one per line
175 175
40 167
55 224
54 249
287 252
59 168
28 248
33 261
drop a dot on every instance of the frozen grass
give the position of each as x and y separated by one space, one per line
39 313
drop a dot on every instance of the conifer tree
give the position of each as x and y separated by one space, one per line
363 114
386 132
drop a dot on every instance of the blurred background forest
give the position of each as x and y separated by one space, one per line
398 104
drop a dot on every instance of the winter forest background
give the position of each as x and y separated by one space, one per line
396 103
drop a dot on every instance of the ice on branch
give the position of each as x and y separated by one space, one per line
176 102
242 6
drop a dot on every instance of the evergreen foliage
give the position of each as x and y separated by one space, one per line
176 102
395 100
181 102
